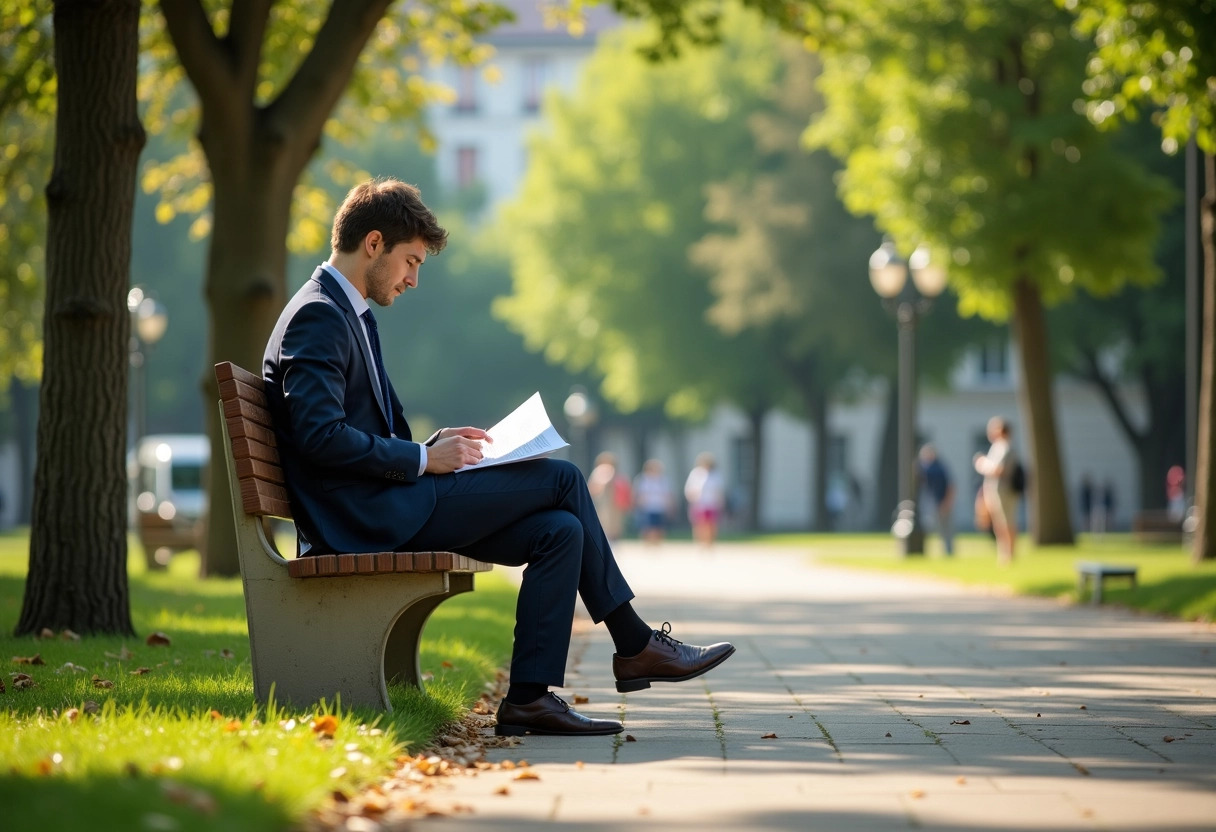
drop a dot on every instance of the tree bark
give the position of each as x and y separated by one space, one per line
1050 522
1205 488
78 541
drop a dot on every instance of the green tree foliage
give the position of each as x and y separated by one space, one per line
1158 56
611 201
27 113
791 266
957 126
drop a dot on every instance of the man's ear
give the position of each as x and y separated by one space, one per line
372 243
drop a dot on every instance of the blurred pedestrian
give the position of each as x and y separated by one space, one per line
999 467
940 487
1175 492
1087 503
706 495
611 494
652 498
1108 505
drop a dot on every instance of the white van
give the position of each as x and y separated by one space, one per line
169 498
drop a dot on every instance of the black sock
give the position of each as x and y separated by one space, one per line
525 693
629 633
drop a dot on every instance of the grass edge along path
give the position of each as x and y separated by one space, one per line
1168 583
118 733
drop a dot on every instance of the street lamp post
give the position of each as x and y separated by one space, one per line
908 301
580 412
148 324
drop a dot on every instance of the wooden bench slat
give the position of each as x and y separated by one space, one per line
239 428
380 563
245 448
242 409
226 370
261 470
234 389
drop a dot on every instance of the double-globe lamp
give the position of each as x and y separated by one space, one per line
909 302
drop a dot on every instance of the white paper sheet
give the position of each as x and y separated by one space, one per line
526 433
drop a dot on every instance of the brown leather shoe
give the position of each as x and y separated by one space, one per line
550 715
666 659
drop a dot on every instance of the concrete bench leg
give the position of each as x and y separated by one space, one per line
401 654
325 637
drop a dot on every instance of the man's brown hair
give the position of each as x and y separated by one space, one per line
391 207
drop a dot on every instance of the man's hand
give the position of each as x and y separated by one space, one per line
455 448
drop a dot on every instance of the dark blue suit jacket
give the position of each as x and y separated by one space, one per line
353 486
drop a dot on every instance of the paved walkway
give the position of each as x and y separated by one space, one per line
895 704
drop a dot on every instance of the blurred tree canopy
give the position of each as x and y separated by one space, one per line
958 128
27 113
1159 56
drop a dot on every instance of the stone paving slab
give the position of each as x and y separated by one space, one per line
1003 713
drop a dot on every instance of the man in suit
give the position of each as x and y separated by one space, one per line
359 482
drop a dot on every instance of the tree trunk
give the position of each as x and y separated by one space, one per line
817 408
78 541
886 469
1205 488
1050 522
755 488
246 289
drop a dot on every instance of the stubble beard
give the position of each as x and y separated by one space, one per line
380 283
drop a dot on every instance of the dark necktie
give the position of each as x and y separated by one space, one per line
373 337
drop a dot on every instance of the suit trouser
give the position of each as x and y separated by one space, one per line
537 513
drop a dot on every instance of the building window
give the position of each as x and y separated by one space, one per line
994 360
535 73
466 167
466 90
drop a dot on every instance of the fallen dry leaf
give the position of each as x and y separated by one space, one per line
226 653
99 682
326 725
68 635
448 665
769 737
74 668
47 632
71 714
1083 708
232 725
21 681
216 714
527 774
916 794
502 790
158 639
45 766
34 659
122 655
581 700
960 722
508 764
962 781
90 707
1168 738
630 738
140 671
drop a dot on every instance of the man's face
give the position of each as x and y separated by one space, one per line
392 272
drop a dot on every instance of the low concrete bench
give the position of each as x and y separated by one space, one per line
323 626
1097 573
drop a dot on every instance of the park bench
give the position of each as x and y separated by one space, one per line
1156 526
322 626
1097 573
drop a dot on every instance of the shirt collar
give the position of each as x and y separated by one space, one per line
357 301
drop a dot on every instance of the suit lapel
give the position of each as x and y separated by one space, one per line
331 288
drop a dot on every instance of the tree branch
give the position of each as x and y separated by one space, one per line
306 102
1093 373
201 54
246 33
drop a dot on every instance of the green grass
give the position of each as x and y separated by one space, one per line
1167 582
182 746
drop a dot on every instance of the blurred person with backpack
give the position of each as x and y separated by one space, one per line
1004 482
